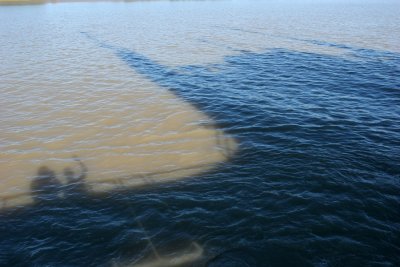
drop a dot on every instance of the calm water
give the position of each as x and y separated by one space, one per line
266 132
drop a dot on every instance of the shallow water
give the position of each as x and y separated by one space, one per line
283 118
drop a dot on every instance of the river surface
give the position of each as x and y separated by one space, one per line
266 133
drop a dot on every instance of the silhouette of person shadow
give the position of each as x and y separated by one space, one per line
75 184
45 187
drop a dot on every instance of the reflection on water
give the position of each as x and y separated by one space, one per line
188 256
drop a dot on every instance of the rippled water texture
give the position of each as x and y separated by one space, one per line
283 118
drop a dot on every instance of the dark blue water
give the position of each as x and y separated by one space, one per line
316 180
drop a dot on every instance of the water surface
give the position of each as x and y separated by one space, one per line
282 117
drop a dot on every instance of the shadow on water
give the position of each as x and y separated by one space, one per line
76 185
66 211
222 90
312 185
46 187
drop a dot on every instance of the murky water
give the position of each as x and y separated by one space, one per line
267 133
